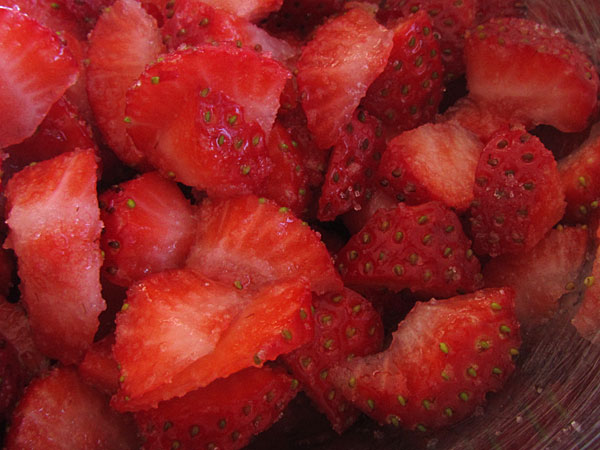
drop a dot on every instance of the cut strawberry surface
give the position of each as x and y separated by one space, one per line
123 42
346 325
432 162
36 71
148 227
252 241
422 248
252 10
336 68
225 414
55 227
518 195
444 358
99 367
553 267
531 71
59 407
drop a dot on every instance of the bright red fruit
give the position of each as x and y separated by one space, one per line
444 357
355 220
408 92
122 43
252 10
224 415
59 407
553 267
12 377
518 195
148 227
55 227
587 318
36 71
346 325
422 248
336 68
99 367
432 162
531 71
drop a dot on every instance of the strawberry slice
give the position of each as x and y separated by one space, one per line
122 43
352 166
99 367
346 325
422 248
518 195
409 91
432 162
444 358
251 241
531 71
59 407
224 415
336 68
55 229
148 227
552 267
36 71
252 10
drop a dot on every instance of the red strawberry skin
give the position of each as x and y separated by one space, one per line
422 248
36 71
444 358
225 414
55 226
531 71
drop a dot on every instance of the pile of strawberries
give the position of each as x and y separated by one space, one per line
213 206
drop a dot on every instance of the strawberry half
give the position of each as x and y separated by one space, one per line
36 71
444 358
55 227
518 195
346 325
336 68
531 71
224 415
422 248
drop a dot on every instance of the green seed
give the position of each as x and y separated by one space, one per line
444 347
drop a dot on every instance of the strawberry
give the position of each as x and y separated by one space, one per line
408 92
431 162
346 325
587 317
518 195
148 227
443 359
352 166
212 330
531 71
86 12
36 71
335 69
355 220
552 267
224 415
59 407
55 227
99 367
252 10
12 377
114 67
251 241
422 248
578 172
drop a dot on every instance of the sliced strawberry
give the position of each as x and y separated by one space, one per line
36 71
148 227
444 358
336 67
409 91
531 71
224 415
55 229
422 248
181 331
252 241
59 407
123 42
356 220
99 367
346 325
518 195
552 268
252 10
12 377
352 166
432 162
